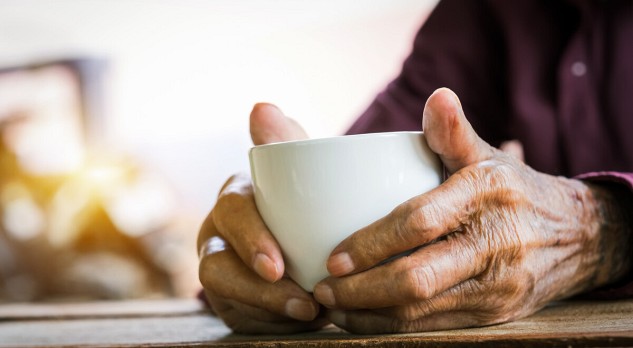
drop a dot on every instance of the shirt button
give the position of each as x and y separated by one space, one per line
578 69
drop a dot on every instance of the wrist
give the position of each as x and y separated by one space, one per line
611 207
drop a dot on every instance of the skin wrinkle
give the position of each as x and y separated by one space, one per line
566 267
424 221
207 271
256 313
611 218
472 243
509 221
419 309
392 291
564 240
424 282
588 245
414 220
572 255
599 253
512 251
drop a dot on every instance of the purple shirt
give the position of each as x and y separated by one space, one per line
556 75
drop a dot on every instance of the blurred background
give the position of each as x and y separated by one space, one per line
120 120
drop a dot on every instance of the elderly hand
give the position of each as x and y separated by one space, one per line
241 265
495 242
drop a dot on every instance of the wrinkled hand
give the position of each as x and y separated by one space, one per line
241 266
495 242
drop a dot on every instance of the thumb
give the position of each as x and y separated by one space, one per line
449 134
269 125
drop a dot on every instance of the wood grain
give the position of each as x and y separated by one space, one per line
183 323
32 311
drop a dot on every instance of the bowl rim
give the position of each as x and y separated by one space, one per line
335 139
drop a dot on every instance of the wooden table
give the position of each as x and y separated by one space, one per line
185 323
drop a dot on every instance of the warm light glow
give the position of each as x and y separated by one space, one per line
44 109
103 175
70 211
22 219
140 206
137 201
183 76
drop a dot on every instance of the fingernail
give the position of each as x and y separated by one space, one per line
324 295
340 264
338 318
265 267
300 309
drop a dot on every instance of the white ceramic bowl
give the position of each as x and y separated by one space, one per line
312 194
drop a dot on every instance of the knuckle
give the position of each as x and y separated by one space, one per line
238 324
239 184
414 219
470 174
236 180
205 232
405 221
228 209
207 224
498 174
403 326
496 182
499 310
228 200
494 301
410 313
492 316
234 194
418 283
269 299
208 272
396 326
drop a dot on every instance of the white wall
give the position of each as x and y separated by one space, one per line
185 73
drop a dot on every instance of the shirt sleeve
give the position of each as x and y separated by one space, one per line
623 289
459 47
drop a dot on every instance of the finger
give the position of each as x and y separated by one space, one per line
221 305
416 222
370 322
514 148
462 297
207 231
224 275
269 125
449 134
468 304
421 276
236 218
208 228
249 320
259 314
